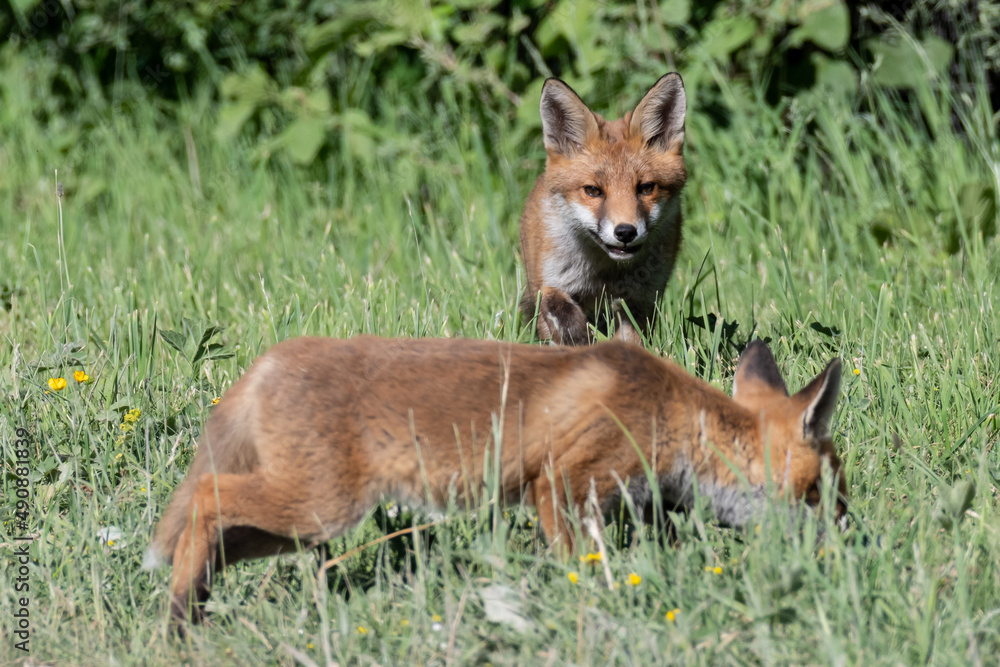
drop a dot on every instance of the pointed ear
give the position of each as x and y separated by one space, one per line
757 372
567 123
659 117
820 399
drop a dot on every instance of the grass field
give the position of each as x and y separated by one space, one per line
857 229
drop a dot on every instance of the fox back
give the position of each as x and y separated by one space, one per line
602 225
319 430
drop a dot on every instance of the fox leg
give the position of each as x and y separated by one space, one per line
241 507
624 330
561 319
545 494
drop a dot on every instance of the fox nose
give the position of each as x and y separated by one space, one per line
625 233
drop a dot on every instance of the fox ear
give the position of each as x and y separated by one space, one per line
820 399
757 371
659 117
567 123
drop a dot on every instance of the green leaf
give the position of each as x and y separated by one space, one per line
574 20
206 335
252 86
828 28
830 331
173 339
303 138
834 76
723 36
905 64
978 204
477 31
232 117
330 35
953 502
675 12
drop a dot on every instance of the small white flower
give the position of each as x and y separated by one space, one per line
436 627
111 537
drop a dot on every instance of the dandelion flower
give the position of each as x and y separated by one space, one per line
111 537
857 371
215 401
672 615
80 376
591 558
573 577
362 630
715 570
57 384
634 579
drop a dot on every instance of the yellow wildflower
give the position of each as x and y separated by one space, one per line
634 579
80 376
436 618
573 577
405 622
857 371
309 645
57 384
362 630
591 558
716 569
215 401
672 615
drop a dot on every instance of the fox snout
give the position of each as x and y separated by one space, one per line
622 240
626 233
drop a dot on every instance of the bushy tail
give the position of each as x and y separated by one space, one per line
226 447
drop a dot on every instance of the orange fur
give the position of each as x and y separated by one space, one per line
319 430
602 225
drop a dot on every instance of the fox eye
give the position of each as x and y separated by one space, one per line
592 191
644 189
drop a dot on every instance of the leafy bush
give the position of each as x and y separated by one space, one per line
289 59
313 81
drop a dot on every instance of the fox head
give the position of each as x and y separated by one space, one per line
796 427
616 184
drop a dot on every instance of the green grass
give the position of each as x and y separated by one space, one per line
422 241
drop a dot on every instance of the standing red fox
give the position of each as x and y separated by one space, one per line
603 222
319 430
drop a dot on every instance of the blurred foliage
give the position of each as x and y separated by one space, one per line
280 71
312 81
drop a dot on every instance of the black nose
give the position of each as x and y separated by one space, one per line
625 233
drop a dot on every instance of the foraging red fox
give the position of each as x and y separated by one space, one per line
603 222
319 430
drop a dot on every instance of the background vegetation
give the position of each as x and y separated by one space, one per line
231 175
